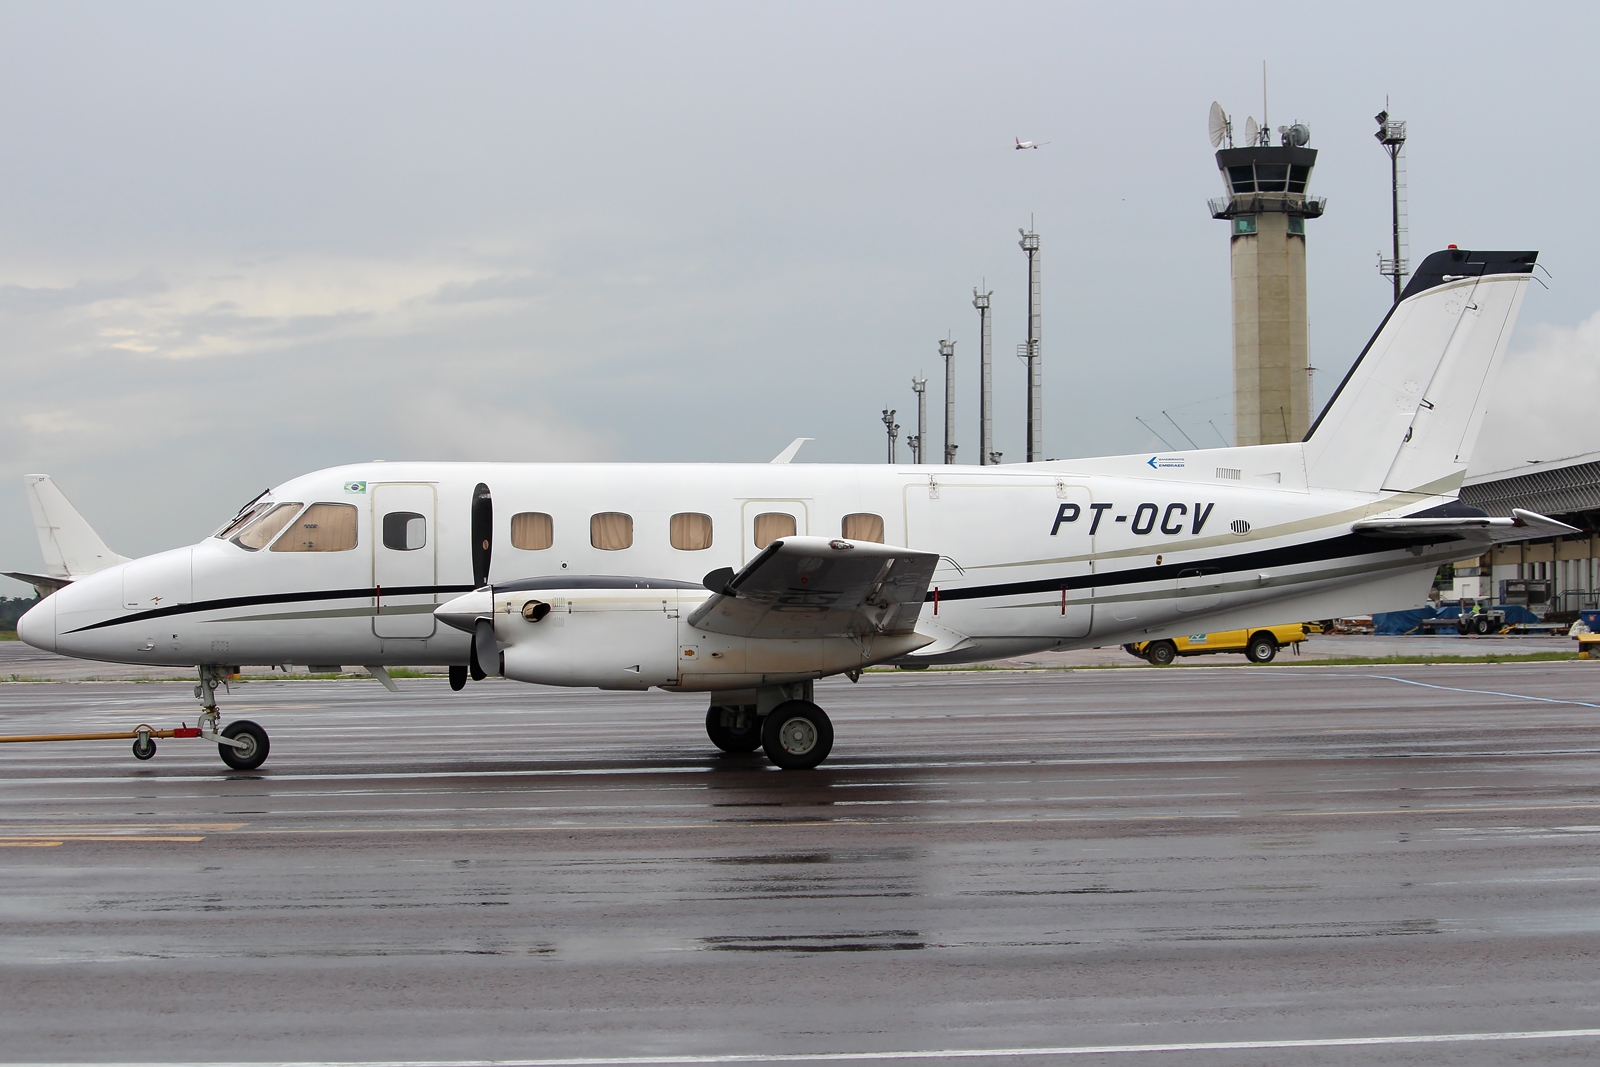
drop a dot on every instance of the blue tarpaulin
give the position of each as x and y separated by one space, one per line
1404 622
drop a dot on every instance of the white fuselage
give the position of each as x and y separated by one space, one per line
1036 556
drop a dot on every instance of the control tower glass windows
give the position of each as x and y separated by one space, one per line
1268 178
1243 224
1271 177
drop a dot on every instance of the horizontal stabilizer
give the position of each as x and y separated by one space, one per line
1520 527
806 587
70 546
43 584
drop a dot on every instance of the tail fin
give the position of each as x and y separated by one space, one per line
71 547
1407 415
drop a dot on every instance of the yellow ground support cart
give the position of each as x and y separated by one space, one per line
1259 644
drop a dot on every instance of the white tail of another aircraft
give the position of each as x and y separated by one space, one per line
70 546
1407 415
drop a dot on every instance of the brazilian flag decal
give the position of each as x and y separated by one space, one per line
355 487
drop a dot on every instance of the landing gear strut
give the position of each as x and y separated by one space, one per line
795 733
242 745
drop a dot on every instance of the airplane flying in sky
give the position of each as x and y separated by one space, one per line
1021 144
749 581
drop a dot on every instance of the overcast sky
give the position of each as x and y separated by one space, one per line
240 243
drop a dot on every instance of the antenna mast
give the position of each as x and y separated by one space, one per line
1392 135
986 453
1029 351
947 351
920 387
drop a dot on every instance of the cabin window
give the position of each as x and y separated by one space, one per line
771 525
532 531
405 531
690 531
862 526
260 532
611 531
323 528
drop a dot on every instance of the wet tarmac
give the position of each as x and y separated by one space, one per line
1241 866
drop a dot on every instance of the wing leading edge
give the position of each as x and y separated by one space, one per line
810 587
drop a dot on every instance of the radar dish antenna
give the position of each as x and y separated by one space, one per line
1252 132
1219 127
1296 136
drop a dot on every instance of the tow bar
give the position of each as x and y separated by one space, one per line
143 737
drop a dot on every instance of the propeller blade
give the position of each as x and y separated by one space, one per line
482 534
485 651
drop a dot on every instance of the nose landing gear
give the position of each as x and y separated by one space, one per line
243 745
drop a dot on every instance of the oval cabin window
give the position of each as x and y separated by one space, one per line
611 531
771 525
862 526
690 531
532 531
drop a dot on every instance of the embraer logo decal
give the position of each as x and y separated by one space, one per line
1172 518
1159 462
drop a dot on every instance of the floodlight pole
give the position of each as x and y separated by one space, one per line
1392 135
986 452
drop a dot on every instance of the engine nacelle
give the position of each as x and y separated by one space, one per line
631 633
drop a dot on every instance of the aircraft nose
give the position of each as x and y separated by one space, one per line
38 625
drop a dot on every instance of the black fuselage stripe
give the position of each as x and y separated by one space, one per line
224 603
1346 545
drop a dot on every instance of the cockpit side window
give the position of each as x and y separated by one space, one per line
323 528
264 526
243 518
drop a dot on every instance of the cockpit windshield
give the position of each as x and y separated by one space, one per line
262 525
243 519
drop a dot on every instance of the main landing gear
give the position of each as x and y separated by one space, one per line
794 732
242 744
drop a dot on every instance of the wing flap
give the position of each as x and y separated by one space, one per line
811 587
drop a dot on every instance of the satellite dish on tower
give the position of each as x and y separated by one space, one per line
1219 126
1296 136
1252 132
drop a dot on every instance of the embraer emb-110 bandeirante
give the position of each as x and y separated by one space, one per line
748 582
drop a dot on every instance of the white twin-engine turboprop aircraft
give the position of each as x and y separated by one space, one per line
748 581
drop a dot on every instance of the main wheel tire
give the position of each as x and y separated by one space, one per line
797 735
144 748
251 757
1481 625
1263 648
458 676
1161 653
733 738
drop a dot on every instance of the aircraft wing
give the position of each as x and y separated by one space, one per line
1520 527
812 587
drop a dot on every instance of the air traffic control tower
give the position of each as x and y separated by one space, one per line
1266 210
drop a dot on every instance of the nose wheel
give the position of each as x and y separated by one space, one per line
243 746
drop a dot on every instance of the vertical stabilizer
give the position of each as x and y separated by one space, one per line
70 546
1407 416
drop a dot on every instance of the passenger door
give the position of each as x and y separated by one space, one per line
403 551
